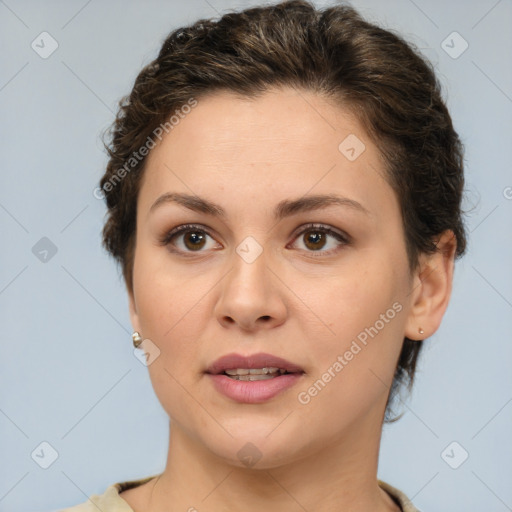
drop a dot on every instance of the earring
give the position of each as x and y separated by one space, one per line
421 331
137 339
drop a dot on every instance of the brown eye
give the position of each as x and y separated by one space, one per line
194 240
315 238
186 239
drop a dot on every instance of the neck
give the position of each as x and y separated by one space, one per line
341 476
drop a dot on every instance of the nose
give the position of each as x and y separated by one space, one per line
251 296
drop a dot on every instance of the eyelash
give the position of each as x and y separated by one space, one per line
341 237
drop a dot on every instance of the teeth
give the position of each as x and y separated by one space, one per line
252 377
237 371
254 371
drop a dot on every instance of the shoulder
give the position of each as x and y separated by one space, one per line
400 498
109 500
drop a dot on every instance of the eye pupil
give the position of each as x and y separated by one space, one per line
317 239
196 238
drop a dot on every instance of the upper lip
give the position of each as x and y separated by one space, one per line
261 360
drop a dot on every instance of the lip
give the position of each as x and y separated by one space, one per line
253 392
260 360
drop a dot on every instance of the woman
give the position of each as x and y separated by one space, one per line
283 193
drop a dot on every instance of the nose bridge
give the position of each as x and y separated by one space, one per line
249 271
248 292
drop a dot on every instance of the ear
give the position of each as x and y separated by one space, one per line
134 317
431 288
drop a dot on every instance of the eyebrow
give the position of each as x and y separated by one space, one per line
283 209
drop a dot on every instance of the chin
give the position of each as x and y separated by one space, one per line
258 451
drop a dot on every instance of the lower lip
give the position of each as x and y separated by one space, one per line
256 391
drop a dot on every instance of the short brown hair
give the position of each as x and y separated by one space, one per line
334 52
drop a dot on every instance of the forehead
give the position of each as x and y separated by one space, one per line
275 120
282 143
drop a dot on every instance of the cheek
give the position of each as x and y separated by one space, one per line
165 307
171 315
354 298
363 317
353 374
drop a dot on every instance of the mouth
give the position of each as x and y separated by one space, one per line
255 373
252 368
253 379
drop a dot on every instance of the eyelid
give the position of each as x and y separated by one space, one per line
324 228
168 235
339 235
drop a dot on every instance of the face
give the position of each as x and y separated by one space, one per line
322 284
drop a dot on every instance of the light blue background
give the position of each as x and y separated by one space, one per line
68 373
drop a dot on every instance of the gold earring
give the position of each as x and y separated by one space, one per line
421 331
137 339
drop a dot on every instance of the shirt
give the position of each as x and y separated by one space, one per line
110 501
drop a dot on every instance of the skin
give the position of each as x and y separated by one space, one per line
297 300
